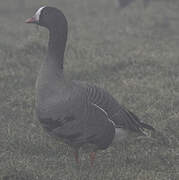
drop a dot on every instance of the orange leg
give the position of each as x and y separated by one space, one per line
92 157
76 153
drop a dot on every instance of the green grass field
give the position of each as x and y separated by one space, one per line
133 54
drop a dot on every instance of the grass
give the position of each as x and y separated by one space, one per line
133 54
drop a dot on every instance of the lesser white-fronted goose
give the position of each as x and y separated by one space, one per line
77 112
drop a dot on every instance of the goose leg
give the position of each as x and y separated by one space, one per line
92 157
76 154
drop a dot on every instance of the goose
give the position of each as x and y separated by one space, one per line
76 112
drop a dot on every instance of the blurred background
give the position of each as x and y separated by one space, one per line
128 47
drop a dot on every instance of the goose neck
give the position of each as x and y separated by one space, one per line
56 47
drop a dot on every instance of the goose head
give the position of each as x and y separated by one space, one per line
48 17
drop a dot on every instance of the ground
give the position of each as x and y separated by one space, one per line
134 54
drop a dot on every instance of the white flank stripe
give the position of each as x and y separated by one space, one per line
104 113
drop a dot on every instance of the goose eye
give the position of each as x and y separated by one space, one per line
45 13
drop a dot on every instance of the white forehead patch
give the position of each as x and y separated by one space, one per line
37 14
